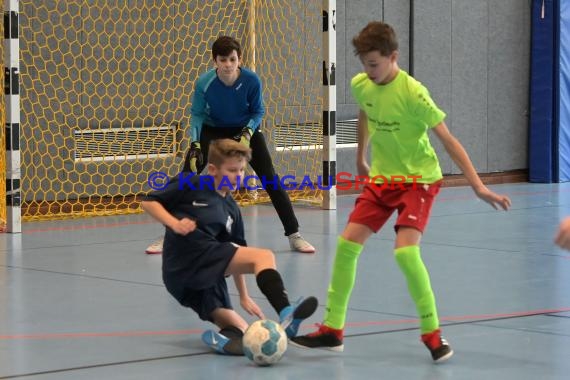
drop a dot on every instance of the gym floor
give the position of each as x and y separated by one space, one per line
79 299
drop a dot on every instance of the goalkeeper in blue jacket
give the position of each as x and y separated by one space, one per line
228 103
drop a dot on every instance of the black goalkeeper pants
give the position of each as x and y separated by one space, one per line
261 162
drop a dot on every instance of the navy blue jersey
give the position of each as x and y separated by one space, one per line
216 216
199 259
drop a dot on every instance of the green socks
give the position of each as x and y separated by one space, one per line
342 282
411 264
344 273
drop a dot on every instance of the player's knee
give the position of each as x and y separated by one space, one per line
267 257
356 233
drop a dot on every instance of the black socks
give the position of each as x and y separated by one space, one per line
271 285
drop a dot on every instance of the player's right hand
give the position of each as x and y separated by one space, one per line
362 168
184 226
195 156
251 307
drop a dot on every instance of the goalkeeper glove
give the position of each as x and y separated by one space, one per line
244 136
195 156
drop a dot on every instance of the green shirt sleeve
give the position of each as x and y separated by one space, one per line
424 108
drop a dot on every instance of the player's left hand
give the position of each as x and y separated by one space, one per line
562 238
495 200
244 136
251 307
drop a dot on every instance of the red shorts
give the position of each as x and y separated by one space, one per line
377 203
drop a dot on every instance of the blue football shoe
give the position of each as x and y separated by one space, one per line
292 316
222 344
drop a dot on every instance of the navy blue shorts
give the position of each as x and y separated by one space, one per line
194 272
205 301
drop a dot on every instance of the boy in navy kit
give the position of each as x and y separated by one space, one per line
396 111
204 243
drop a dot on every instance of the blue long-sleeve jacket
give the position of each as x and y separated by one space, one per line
218 105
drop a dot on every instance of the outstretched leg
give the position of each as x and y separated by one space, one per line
261 262
262 163
330 333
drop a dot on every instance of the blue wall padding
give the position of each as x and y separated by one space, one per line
563 130
542 93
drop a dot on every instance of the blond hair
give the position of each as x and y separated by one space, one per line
222 149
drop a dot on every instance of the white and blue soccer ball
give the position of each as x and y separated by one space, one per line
264 342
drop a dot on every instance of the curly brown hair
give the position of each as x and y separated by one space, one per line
376 36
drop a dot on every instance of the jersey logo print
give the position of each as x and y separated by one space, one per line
229 224
199 204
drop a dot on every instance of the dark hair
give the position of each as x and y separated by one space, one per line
376 36
224 46
222 149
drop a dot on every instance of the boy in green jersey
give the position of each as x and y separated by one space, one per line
396 111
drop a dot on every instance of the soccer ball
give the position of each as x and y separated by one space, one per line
264 342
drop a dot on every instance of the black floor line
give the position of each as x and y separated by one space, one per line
103 365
